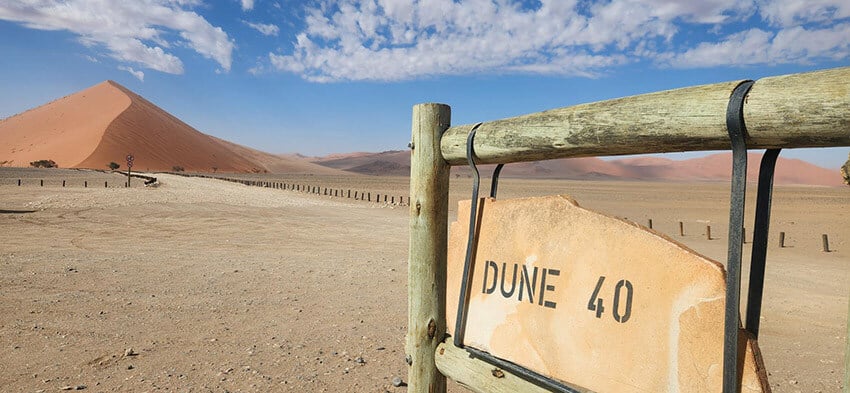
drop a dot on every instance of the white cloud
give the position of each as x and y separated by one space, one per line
389 40
140 32
265 29
138 74
793 12
792 45
247 5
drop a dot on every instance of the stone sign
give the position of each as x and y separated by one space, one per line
593 300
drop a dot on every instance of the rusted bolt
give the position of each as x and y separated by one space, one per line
408 360
498 373
432 329
410 145
442 351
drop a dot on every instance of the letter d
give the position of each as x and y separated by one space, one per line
495 267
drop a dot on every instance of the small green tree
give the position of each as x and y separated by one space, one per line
114 165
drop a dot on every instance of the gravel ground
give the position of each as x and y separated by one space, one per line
201 285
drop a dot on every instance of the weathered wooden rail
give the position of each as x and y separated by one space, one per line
791 111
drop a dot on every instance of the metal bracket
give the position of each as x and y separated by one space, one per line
463 301
737 132
759 253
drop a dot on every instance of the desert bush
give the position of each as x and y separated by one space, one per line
114 165
845 171
177 168
44 164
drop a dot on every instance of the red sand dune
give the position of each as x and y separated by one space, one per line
104 123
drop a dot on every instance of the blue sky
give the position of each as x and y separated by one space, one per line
319 77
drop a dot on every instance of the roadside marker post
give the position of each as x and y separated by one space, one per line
130 159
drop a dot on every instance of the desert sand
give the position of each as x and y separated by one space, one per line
203 285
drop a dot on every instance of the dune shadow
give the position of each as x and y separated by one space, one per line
4 211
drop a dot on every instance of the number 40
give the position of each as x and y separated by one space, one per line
595 302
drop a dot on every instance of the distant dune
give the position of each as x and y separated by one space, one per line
104 123
388 163
715 167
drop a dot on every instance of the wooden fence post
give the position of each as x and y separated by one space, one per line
650 223
825 242
681 229
781 239
426 279
708 232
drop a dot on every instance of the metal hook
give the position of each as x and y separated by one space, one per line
737 130
463 301
494 184
759 254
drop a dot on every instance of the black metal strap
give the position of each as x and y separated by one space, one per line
524 373
494 184
463 299
759 254
737 133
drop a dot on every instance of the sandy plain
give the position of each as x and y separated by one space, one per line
202 285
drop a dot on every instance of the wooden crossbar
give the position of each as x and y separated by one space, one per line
791 111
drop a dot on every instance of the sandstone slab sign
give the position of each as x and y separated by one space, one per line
593 300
